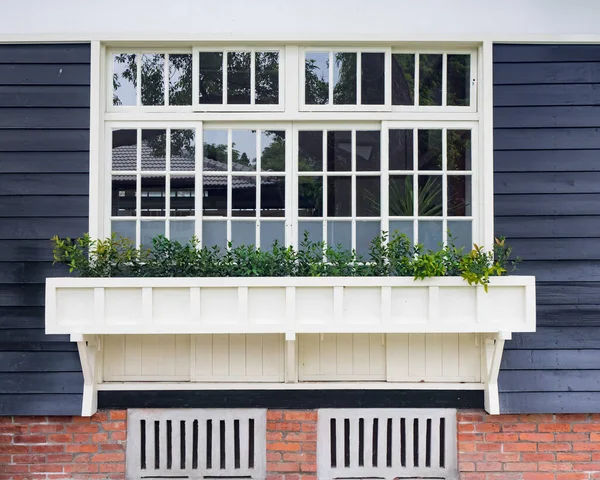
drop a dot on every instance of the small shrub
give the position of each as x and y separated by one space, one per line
392 255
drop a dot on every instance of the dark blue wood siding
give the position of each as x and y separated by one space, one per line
547 202
44 142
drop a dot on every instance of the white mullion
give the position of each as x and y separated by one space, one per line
385 179
167 82
252 77
444 186
138 73
225 97
358 78
353 188
330 72
195 79
325 178
229 181
291 188
258 178
168 185
444 79
387 79
138 189
417 80
474 81
415 185
199 187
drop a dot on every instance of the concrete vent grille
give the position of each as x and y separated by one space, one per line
194 443
386 444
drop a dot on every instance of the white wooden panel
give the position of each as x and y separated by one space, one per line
239 358
431 357
146 358
339 357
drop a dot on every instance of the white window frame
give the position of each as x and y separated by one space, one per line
291 94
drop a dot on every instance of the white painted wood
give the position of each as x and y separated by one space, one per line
88 347
321 305
492 354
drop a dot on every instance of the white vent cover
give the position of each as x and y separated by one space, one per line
196 443
386 444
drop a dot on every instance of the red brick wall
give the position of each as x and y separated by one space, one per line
63 447
528 447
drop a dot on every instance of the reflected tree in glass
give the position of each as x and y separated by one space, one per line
267 78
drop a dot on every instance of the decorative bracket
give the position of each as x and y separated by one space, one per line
88 347
492 356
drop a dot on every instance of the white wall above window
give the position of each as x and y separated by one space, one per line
275 20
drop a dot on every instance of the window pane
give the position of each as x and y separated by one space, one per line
401 196
271 231
215 150
316 71
154 150
182 196
372 78
243 196
243 150
243 233
339 233
125 79
368 196
214 233
124 229
310 196
368 151
339 196
365 233
272 156
403 79
461 234
183 150
314 230
214 196
149 230
344 78
339 151
153 196
272 196
123 196
430 235
310 151
430 149
430 196
180 79
124 150
211 77
181 232
401 149
267 78
153 79
459 195
459 149
238 78
402 226
459 80
430 79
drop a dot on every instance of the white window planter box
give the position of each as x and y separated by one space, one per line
87 308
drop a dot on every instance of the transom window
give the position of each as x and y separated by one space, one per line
227 145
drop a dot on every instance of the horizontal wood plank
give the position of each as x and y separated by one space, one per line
515 53
27 295
545 73
549 381
538 360
50 53
24 118
572 293
40 228
14 346
40 404
556 248
47 382
547 139
546 204
546 95
31 362
44 140
545 117
561 270
568 316
31 335
44 74
44 162
24 206
550 402
561 338
546 161
26 250
546 182
44 96
584 226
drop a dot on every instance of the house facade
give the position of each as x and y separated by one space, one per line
250 122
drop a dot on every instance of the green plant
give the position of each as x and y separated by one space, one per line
389 255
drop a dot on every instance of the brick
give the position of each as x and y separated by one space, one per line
586 427
554 427
467 446
466 466
47 428
274 415
59 458
11 428
117 415
519 427
82 448
299 457
118 436
471 457
112 467
82 458
91 428
554 447
308 467
274 436
110 426
14 449
487 427
506 419
586 467
586 446
536 437
301 437
108 457
465 427
29 439
489 467
29 459
501 437
537 476
537 418
15 468
471 437
82 438
504 476
274 457
503 457
520 447
489 447
309 447
573 457
309 427
284 426
473 476
113 447
538 457
81 467
572 417
46 469
282 467
101 437
595 437
572 476
60 438
555 466
284 447
571 437
304 416
5 439
520 467
469 417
